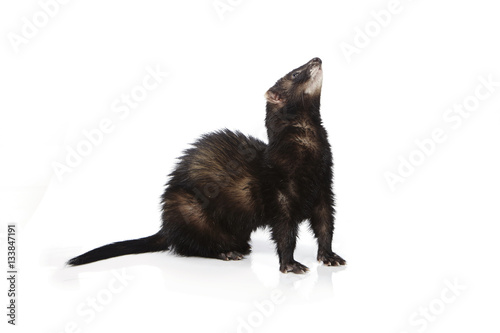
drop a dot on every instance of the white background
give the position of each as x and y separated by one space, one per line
404 247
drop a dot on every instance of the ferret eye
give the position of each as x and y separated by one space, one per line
294 75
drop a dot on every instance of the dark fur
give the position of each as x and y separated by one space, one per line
228 185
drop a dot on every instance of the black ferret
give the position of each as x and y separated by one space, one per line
228 185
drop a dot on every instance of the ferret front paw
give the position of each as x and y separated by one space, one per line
331 259
294 267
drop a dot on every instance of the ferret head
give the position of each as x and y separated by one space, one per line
303 83
294 97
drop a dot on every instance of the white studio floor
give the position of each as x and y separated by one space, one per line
398 279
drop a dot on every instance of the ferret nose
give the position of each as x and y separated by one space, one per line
318 60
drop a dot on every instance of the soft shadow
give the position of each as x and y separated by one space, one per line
248 279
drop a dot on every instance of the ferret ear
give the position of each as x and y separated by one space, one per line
274 97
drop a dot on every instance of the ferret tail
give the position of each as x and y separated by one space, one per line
154 243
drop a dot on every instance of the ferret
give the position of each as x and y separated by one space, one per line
229 184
